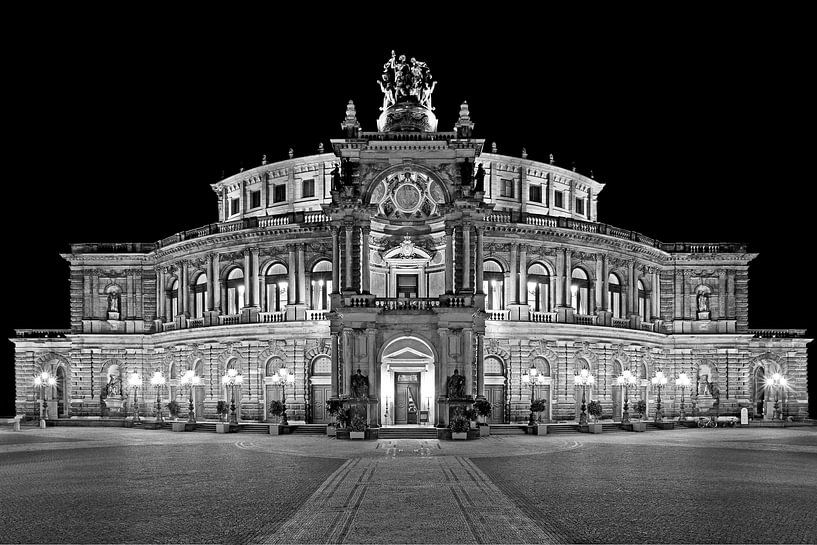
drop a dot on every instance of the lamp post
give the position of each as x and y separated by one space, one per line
135 381
190 379
684 382
777 381
283 378
232 379
533 378
659 381
42 381
583 379
158 380
626 379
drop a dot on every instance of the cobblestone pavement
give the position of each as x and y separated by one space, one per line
109 485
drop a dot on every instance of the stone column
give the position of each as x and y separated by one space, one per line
162 300
225 199
466 257
248 278
599 283
523 274
560 279
210 282
468 360
255 280
442 375
721 294
301 276
364 259
291 265
347 258
568 296
480 366
335 366
655 299
449 260
374 375
335 260
348 337
605 283
183 289
633 289
218 283
514 280
479 263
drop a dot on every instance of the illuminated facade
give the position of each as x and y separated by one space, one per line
409 253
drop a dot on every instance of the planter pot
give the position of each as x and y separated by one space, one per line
635 426
225 427
331 431
459 435
152 425
473 424
665 425
357 435
178 426
274 430
484 430
592 428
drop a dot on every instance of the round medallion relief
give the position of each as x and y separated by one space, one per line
407 197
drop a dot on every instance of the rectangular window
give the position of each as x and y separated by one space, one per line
558 199
507 189
407 286
233 207
255 199
535 193
308 189
580 206
280 193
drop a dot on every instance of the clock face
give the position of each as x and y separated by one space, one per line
408 196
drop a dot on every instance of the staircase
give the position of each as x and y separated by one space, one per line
253 428
509 429
209 427
310 429
421 432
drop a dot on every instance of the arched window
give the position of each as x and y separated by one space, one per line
277 287
642 301
200 296
492 366
579 291
614 295
273 365
321 285
538 288
493 285
235 291
173 296
322 366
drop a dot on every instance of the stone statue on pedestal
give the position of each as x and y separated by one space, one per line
455 386
360 385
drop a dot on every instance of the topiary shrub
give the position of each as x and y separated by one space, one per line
483 407
459 424
594 409
173 408
276 408
640 407
357 424
222 408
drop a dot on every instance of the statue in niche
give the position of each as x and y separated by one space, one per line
455 386
704 386
114 386
346 171
703 302
360 385
479 179
113 301
715 392
335 178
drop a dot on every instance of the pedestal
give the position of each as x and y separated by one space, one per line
112 403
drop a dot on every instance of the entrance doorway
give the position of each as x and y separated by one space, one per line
320 400
406 396
495 394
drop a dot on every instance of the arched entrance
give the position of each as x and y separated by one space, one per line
407 379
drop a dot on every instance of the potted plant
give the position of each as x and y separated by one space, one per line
173 408
471 416
483 409
594 409
639 408
357 428
538 406
276 408
333 407
459 427
222 408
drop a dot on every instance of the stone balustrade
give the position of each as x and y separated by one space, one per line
777 333
312 315
502 315
195 322
395 303
229 319
585 319
622 323
272 317
41 333
542 317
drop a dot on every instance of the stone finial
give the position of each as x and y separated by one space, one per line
291 153
350 124
493 147
320 147
264 159
464 126
574 166
552 159
591 174
524 153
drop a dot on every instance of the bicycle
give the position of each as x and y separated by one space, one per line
707 422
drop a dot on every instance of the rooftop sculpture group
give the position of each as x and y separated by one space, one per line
403 81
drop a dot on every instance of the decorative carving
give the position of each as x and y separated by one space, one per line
622 356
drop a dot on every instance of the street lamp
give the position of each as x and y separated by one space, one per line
42 381
684 382
583 379
190 379
659 381
135 381
158 380
232 379
777 381
283 378
533 378
627 380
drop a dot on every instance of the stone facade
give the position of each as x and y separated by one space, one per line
408 254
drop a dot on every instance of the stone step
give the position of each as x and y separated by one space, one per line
508 429
310 429
407 433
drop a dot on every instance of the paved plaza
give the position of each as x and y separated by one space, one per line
111 485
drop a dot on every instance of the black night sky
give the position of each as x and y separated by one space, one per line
697 124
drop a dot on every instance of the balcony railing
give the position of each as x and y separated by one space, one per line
585 319
542 317
229 319
623 323
195 322
498 315
41 333
395 303
272 317
312 315
777 333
